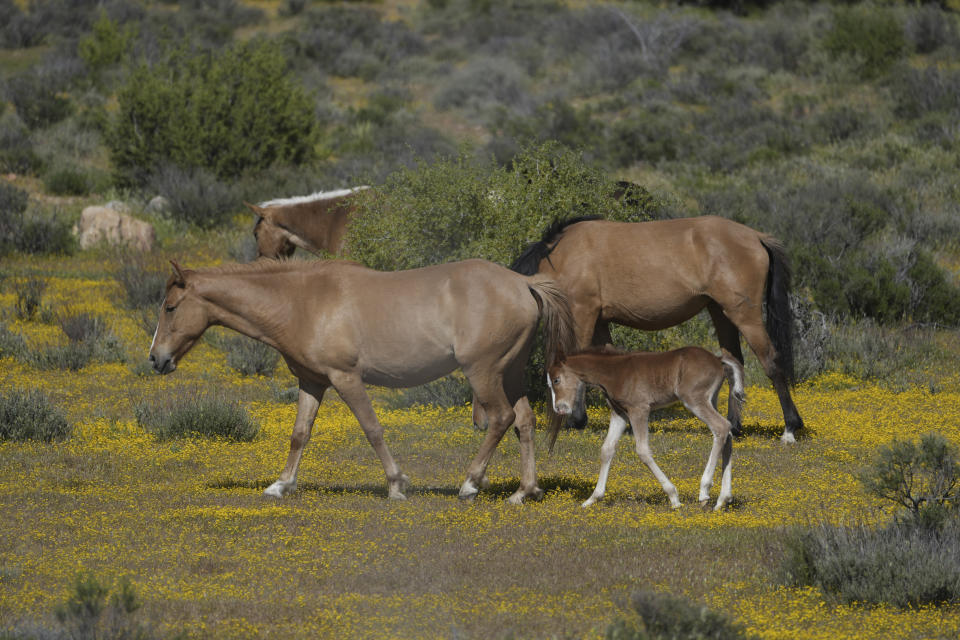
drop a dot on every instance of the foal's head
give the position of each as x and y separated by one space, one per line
183 319
564 387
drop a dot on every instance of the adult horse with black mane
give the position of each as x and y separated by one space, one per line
654 275
339 324
316 223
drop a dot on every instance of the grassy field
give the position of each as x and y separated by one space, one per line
208 555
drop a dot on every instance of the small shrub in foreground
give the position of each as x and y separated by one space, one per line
920 478
448 391
899 564
29 294
192 413
29 415
90 614
660 616
247 356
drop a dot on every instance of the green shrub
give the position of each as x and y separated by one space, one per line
11 344
920 478
16 149
226 112
195 195
29 295
871 35
67 181
188 413
143 281
106 44
456 209
902 565
39 99
448 391
92 612
27 414
660 616
245 355
13 202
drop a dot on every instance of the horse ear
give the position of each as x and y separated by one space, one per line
260 211
179 278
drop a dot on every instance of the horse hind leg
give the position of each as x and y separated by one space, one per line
722 445
490 394
526 424
761 345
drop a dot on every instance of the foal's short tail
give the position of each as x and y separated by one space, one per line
733 372
558 336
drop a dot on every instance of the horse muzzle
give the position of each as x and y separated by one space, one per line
562 408
162 364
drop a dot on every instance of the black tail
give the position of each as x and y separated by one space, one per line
779 316
529 261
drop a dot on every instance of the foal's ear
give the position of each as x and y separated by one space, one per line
178 277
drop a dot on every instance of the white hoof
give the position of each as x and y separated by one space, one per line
722 502
787 438
589 501
279 489
468 491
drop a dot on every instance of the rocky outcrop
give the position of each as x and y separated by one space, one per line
106 224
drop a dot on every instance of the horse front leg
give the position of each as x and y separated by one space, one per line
308 402
617 426
350 388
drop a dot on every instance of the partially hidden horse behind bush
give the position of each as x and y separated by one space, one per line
338 324
636 382
654 275
316 223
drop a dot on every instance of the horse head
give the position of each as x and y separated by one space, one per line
183 319
564 387
273 241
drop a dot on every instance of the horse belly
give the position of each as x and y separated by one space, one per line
652 312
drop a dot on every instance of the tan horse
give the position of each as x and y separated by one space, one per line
654 275
634 383
338 324
315 223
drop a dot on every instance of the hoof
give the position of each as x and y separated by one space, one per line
468 491
588 502
787 438
723 502
279 489
397 487
396 495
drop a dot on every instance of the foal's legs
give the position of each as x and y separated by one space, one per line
617 426
307 404
722 442
350 387
729 338
641 433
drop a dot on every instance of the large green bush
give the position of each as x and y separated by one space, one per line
456 209
226 112
27 414
871 35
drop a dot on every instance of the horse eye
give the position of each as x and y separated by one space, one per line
170 309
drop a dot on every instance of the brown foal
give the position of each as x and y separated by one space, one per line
338 324
634 383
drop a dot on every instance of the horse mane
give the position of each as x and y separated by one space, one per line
529 261
313 197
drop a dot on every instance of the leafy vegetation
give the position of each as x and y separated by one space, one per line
27 414
660 616
195 413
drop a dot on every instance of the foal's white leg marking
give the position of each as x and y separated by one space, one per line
617 426
726 481
641 436
787 438
280 488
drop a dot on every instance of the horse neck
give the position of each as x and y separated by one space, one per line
594 369
253 304
320 223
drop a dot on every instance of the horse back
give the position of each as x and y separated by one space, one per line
655 274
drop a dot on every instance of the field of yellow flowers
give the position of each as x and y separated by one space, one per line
186 522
